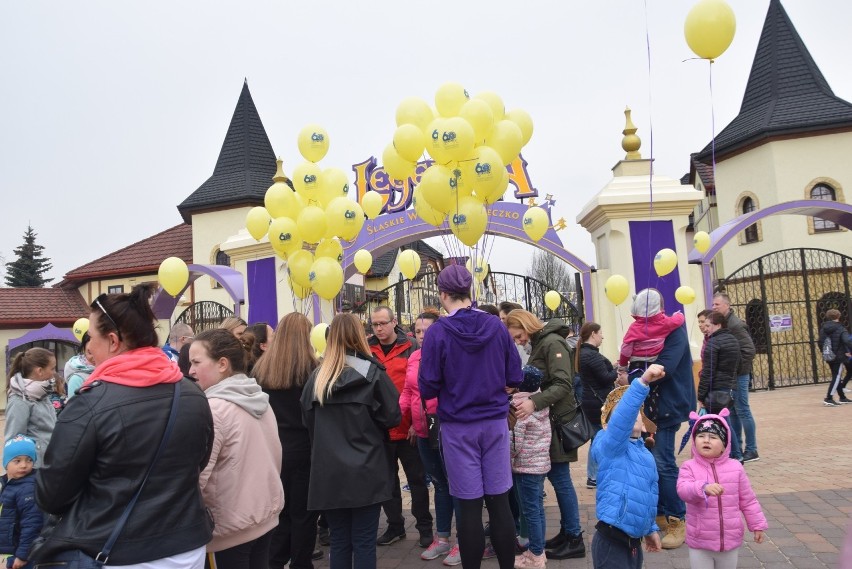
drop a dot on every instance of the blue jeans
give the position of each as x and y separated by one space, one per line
669 503
566 497
742 421
608 554
530 487
592 464
353 537
445 504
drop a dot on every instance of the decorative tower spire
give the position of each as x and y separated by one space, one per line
630 143
280 176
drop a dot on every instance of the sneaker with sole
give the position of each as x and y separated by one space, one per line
435 550
453 558
750 456
844 399
390 536
591 483
528 560
830 402
317 554
489 552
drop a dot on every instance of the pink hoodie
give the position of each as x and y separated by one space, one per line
646 335
714 523
409 399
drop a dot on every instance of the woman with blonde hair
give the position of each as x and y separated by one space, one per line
282 371
349 403
235 325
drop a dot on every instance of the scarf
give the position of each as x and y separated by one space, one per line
142 367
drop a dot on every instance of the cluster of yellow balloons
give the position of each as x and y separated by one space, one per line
173 275
80 327
709 28
471 140
305 222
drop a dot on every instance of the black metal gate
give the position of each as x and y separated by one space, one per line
204 315
783 297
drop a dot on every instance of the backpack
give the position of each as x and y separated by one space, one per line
827 352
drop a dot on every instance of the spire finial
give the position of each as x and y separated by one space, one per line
280 176
630 143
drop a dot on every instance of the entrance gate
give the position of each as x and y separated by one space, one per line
782 297
205 315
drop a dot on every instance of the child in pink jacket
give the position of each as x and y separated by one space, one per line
716 489
646 335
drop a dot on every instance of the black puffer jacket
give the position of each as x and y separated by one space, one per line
719 363
744 341
104 440
835 331
598 377
349 462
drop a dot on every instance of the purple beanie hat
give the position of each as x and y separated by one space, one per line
455 279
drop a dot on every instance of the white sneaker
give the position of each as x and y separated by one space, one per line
453 557
435 550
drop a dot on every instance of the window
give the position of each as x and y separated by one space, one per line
826 193
223 258
115 289
751 230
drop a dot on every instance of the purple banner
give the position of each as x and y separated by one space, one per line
646 238
262 293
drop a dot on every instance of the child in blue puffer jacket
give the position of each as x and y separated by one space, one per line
20 518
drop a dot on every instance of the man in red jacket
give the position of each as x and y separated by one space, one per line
392 347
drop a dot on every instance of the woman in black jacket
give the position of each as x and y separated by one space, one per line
348 405
598 377
719 362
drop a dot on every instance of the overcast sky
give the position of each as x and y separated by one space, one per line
112 113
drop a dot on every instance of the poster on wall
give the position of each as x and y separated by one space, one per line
780 322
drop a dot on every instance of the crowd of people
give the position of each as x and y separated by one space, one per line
225 449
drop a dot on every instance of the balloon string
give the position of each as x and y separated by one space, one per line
651 139
712 124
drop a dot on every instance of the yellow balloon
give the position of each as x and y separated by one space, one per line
536 223
702 241
372 204
326 277
479 270
312 224
685 295
318 336
488 171
434 141
552 299
478 113
395 165
457 138
524 121
257 222
436 187
467 222
330 248
363 260
298 290
409 142
313 143
173 275
334 183
425 211
80 327
498 109
306 180
409 263
345 218
416 111
280 200
299 263
284 235
462 180
665 262
709 28
616 289
506 138
496 193
449 99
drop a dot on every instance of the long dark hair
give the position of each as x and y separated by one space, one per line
129 315
289 359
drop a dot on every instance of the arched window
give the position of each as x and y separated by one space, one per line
751 230
223 259
826 193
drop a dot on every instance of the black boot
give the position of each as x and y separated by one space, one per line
557 540
573 548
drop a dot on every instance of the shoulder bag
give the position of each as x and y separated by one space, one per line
572 433
78 559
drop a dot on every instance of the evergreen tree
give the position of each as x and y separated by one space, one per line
30 266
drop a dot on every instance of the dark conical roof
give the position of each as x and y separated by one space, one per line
245 166
786 93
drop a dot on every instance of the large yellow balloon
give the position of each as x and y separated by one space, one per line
616 289
313 143
457 138
479 270
709 28
326 277
416 111
395 165
478 113
496 192
436 187
318 336
488 171
425 211
685 294
507 139
434 141
409 263
665 262
498 109
524 121
450 98
467 222
702 241
536 223
345 218
372 204
312 224
300 263
552 299
173 275
334 183
280 200
306 180
298 290
363 260
330 248
284 235
409 142
257 222
80 327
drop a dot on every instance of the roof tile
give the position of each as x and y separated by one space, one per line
25 306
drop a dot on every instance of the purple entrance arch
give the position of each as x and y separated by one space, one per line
392 230
230 279
838 212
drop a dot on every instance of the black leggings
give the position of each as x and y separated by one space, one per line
471 534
